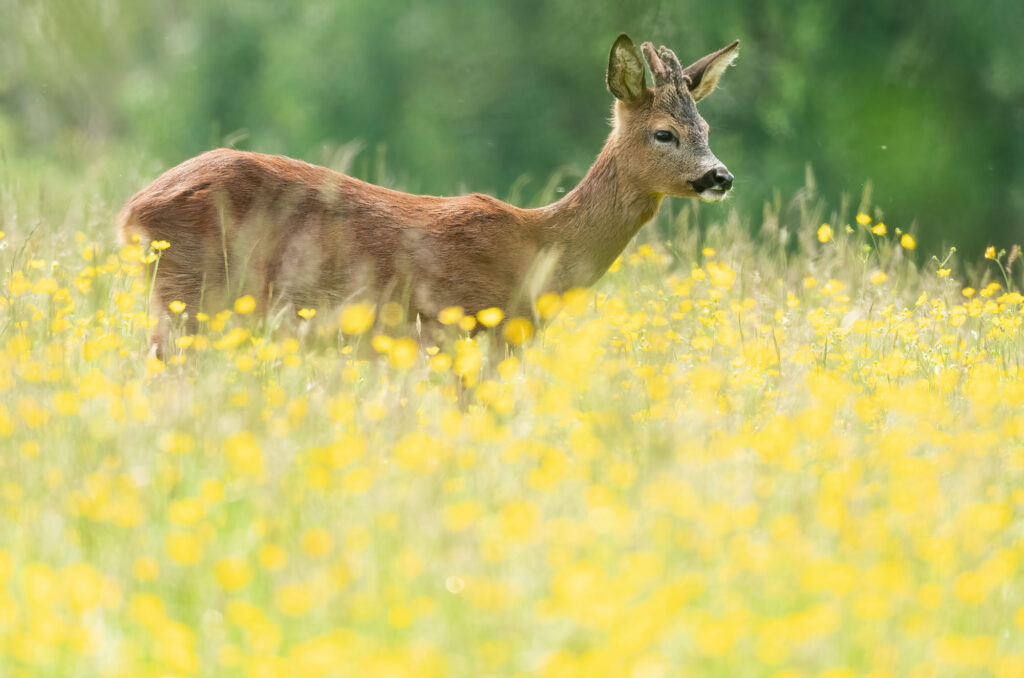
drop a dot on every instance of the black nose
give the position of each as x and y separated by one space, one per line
718 179
721 178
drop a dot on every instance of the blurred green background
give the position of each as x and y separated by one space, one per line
924 100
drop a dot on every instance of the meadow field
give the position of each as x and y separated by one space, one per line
777 445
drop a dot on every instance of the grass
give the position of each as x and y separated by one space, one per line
738 455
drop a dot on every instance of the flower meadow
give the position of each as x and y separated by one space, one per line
787 450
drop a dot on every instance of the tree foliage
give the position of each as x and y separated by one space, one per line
925 100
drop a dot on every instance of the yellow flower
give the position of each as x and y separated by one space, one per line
124 300
879 229
403 353
174 442
245 454
519 519
824 233
721 275
548 305
176 306
232 339
306 313
461 515
863 219
233 574
273 557
878 277
185 511
84 586
518 331
357 318
969 292
837 672
441 362
450 315
154 365
211 490
184 548
489 317
66 403
358 480
317 542
467 358
400 617
508 368
907 241
990 252
294 599
245 304
960 650
147 609
943 272
382 343
159 245
971 587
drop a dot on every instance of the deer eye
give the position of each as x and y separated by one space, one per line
664 136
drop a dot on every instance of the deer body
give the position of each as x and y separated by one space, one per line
295 234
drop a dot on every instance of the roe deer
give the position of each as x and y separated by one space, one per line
295 234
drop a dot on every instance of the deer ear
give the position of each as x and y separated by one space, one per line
704 73
625 71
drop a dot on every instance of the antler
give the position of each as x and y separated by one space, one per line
664 65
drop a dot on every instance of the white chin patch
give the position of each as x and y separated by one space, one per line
712 195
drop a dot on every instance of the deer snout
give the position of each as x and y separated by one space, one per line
717 179
713 184
722 178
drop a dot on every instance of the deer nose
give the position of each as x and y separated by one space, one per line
721 178
718 179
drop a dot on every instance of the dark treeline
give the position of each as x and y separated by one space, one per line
924 100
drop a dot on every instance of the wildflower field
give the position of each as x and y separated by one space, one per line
791 448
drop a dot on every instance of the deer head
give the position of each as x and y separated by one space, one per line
661 139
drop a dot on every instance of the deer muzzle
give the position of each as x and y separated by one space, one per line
716 180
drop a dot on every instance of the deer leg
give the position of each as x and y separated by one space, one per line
164 294
160 333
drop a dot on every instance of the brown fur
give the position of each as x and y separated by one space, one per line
295 234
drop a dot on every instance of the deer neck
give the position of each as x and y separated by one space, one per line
593 223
